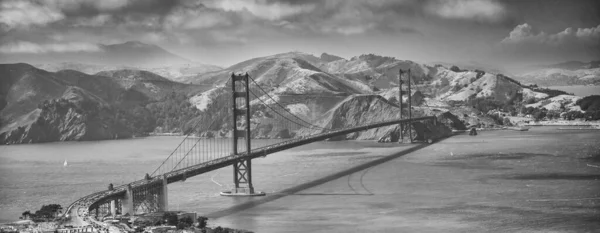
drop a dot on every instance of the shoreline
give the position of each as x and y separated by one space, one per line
564 123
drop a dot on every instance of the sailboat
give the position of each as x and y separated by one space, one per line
65 163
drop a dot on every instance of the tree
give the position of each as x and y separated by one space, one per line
589 103
539 115
572 115
185 222
26 214
47 212
202 222
170 218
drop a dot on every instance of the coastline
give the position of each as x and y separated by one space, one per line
166 134
563 123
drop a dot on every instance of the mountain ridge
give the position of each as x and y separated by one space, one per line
131 53
312 88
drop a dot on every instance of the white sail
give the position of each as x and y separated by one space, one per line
65 163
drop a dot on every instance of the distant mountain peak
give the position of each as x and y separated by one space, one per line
574 65
132 43
329 57
135 42
135 45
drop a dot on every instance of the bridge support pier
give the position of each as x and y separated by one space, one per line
127 202
113 208
164 196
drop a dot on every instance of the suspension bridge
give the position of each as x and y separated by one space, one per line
246 110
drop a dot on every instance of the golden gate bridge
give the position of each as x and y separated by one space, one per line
252 113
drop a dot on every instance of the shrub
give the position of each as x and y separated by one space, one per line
507 122
480 73
550 92
455 69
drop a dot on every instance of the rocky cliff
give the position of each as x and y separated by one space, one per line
41 106
366 109
74 117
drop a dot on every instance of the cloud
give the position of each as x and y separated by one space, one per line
342 17
24 14
526 42
73 5
178 21
479 10
525 34
197 17
96 21
29 47
262 9
589 34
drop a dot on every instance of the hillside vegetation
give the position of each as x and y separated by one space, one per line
329 91
41 106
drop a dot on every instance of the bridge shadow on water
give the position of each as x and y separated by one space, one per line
255 201
332 194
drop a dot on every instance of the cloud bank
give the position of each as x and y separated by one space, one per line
23 14
408 28
33 48
525 34
480 10
204 22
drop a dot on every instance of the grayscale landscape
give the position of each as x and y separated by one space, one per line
299 116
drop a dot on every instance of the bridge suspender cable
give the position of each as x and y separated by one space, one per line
267 94
285 109
276 112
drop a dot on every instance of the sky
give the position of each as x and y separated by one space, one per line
223 32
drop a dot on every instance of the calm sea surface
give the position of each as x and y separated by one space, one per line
33 175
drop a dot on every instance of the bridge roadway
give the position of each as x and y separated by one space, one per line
93 200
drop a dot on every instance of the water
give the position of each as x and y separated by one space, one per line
579 90
430 190
33 175
540 180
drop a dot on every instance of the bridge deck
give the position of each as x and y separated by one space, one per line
93 200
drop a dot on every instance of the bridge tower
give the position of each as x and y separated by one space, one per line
242 169
401 93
